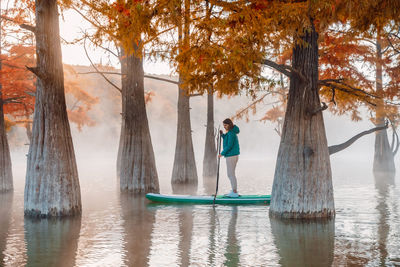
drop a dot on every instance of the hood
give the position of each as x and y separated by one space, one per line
235 129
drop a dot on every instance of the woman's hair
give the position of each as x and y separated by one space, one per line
228 122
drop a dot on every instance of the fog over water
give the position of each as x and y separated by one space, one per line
121 230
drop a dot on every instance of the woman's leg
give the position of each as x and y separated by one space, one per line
231 166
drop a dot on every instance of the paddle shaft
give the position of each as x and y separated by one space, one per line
219 160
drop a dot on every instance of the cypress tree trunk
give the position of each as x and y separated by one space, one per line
210 152
184 169
6 179
302 185
383 156
52 184
136 161
184 172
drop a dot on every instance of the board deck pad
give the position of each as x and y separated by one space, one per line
220 199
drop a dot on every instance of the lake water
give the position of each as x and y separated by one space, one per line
121 230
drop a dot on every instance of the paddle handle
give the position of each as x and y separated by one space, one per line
218 163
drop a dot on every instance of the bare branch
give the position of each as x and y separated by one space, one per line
392 46
279 67
28 27
36 71
336 148
161 79
97 70
118 73
104 72
193 95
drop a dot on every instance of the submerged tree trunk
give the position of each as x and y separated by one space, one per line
184 169
52 184
210 151
137 164
302 185
6 178
383 156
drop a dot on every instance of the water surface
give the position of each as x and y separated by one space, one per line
122 230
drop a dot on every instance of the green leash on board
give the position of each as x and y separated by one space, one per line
219 160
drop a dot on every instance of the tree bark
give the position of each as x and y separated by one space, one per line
136 162
302 186
52 184
6 178
184 169
210 151
383 156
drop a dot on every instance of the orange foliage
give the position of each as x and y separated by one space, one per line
79 102
18 84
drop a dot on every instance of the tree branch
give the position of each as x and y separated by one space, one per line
279 67
118 73
28 27
12 99
333 85
336 148
37 72
284 69
193 95
97 70
161 79
322 108
395 139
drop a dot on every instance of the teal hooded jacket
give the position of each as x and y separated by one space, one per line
231 142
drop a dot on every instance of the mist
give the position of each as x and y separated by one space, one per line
96 146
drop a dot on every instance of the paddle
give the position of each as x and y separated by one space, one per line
219 159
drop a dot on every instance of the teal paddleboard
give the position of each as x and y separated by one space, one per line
187 199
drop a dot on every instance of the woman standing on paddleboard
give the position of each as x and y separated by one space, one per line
231 153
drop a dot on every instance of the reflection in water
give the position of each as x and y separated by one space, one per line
383 183
138 225
212 237
232 253
209 184
304 243
184 189
185 233
52 242
6 201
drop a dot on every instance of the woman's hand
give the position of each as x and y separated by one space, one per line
219 156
